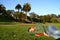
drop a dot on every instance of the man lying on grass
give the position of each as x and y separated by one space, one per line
32 29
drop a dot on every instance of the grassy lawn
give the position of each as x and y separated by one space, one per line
20 32
57 25
10 23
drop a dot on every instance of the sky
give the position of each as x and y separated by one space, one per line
40 7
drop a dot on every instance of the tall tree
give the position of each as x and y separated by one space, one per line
2 9
26 8
18 6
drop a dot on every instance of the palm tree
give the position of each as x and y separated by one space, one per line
26 8
18 6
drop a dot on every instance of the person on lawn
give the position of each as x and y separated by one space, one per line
31 29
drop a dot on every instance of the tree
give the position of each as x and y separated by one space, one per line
47 18
18 6
9 12
26 8
2 9
22 15
53 20
59 16
16 15
19 15
53 15
33 16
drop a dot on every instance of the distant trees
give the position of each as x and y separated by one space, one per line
9 12
22 15
26 8
49 18
18 6
16 15
58 15
2 9
34 16
53 20
45 18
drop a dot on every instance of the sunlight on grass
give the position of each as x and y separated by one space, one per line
19 32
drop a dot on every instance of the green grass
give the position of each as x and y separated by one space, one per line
57 25
20 32
10 23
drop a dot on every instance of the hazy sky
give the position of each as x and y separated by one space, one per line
41 7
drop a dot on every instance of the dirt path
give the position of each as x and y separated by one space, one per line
18 25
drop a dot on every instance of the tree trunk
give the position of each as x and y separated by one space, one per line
18 10
26 15
31 19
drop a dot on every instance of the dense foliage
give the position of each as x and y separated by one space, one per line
21 16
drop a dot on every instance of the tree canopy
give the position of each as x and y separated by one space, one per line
18 6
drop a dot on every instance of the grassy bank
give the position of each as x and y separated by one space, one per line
19 32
